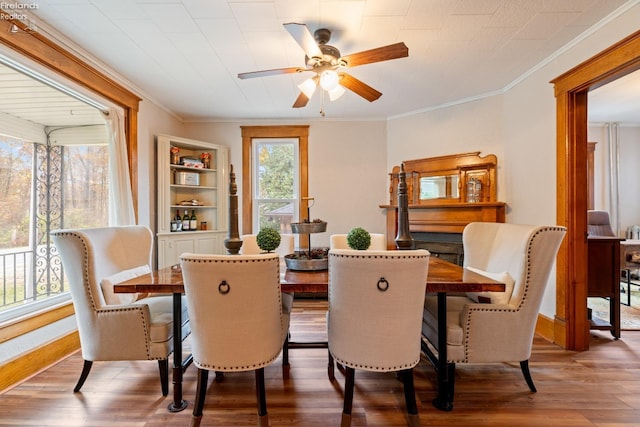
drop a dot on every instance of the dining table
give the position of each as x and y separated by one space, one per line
443 277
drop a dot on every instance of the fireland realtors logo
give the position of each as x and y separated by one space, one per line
15 12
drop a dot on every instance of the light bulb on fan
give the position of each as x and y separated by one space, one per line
329 80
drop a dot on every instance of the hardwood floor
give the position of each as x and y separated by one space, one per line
600 387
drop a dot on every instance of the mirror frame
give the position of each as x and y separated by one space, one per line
467 166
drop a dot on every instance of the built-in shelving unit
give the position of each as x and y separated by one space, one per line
192 188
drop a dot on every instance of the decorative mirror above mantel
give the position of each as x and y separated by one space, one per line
457 178
445 194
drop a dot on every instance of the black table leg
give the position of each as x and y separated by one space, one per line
178 403
445 392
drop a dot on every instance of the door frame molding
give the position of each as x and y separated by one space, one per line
571 326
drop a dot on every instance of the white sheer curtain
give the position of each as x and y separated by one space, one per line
120 198
613 146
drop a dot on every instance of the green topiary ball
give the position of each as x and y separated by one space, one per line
359 239
268 239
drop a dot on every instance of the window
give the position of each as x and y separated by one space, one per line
44 187
275 173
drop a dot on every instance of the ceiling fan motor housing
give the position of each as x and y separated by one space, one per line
330 57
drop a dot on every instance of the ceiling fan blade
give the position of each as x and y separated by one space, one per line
273 72
301 101
384 53
359 87
305 39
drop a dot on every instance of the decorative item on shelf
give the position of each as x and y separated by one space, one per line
186 178
206 160
474 190
191 202
233 243
268 239
174 159
191 162
359 239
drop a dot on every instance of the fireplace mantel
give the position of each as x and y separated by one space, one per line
443 218
439 194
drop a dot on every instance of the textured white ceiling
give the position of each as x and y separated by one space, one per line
185 55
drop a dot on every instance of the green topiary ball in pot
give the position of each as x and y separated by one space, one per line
359 239
268 239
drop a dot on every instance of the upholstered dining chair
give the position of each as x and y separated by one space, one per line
374 318
237 319
116 326
496 327
250 245
339 241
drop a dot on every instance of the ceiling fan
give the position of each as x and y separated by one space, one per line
327 64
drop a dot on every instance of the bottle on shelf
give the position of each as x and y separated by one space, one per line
186 221
193 221
177 221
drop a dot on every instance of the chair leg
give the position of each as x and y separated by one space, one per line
83 376
410 397
331 367
261 397
348 397
524 366
163 366
201 392
285 358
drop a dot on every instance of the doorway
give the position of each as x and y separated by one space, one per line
571 326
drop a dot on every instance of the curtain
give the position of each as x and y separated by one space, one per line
120 198
613 145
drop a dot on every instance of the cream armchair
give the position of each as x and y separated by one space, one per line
250 245
115 326
493 326
237 318
375 312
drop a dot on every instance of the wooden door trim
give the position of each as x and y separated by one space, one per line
571 89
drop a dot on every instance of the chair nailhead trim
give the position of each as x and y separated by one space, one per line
527 281
85 272
377 368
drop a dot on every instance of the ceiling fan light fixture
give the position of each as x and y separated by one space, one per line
308 87
329 80
336 92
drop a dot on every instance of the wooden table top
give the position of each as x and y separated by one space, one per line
443 276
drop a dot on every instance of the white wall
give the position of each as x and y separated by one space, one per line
152 120
468 127
347 170
518 126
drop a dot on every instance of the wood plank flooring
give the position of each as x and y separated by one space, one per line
600 387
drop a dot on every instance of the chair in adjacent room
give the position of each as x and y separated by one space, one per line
375 314
237 319
339 241
496 327
599 224
116 326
